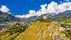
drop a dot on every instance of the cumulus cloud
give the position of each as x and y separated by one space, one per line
31 13
4 9
51 8
43 10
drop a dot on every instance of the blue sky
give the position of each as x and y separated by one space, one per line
19 7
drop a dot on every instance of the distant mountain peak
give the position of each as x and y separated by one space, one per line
7 17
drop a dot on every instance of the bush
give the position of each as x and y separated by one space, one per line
15 29
43 20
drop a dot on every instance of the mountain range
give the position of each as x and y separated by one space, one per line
6 17
48 15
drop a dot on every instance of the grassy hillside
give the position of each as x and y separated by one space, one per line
41 29
12 32
65 19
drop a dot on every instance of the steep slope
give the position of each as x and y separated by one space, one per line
6 17
12 32
43 31
10 37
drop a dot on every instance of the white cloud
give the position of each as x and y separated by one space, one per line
53 7
31 13
4 9
43 7
65 6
